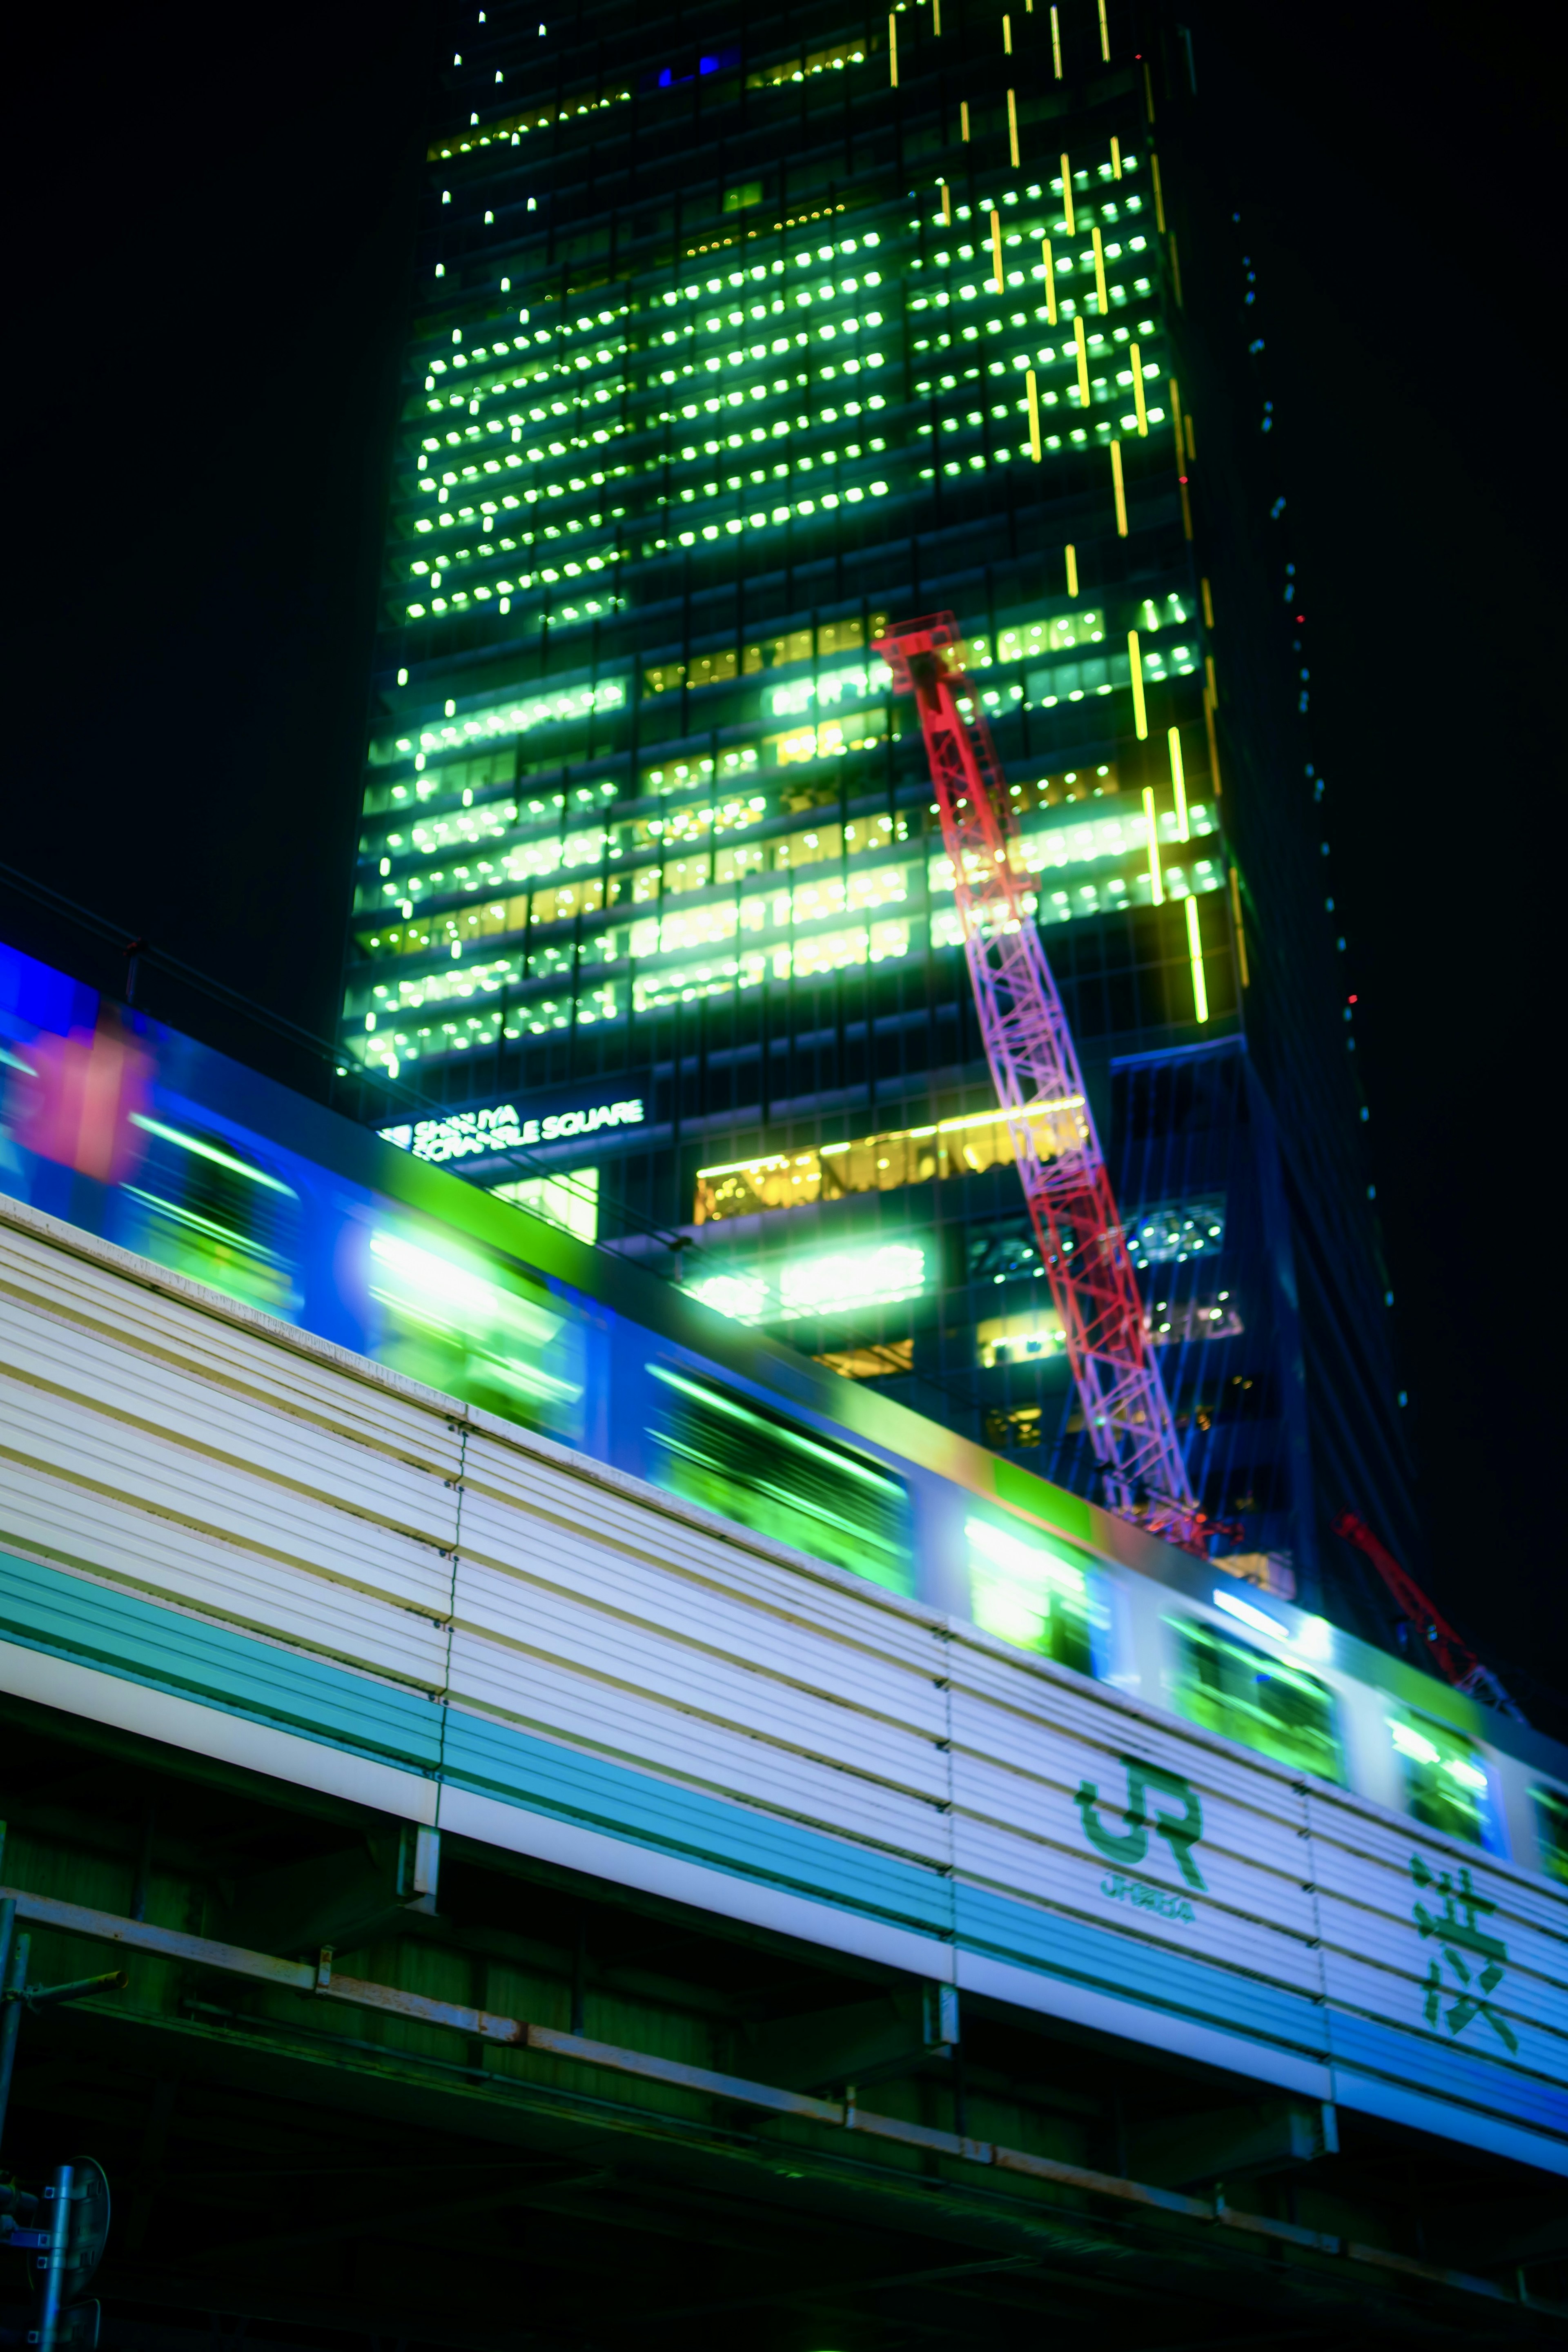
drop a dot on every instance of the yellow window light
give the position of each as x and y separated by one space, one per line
936 17
1195 958
1056 44
1013 126
1240 933
1148 90
1178 782
1007 36
1050 283
1067 195
893 51
1212 679
1034 392
1083 347
1072 571
1100 296
1135 666
963 120
1214 742
1119 487
1192 444
947 203
1104 35
996 250
1208 603
1154 174
1116 159
1156 880
1139 403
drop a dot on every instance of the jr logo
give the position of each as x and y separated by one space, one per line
1181 1830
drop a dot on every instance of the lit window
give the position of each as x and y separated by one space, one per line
1229 1687
1036 1594
1445 1782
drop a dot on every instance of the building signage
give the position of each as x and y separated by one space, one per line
507 1127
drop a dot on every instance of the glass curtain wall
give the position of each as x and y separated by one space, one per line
734 340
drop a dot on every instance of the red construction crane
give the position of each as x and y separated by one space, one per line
1041 1092
1448 1652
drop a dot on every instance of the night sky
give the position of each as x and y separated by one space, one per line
209 258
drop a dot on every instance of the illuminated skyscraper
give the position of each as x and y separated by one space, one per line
734 338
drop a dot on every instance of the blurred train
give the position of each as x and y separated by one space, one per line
137 1134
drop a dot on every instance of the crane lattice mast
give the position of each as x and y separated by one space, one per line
1040 1089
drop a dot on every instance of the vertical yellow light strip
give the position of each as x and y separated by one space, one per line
963 120
1006 37
1119 487
1175 391
893 50
1050 281
1159 196
936 17
1208 603
1195 958
1013 126
1176 271
947 203
1241 931
1214 743
1100 296
1213 680
1135 671
1057 44
1178 782
1192 444
1035 446
1136 356
1156 882
1104 35
1067 195
1072 571
997 248
1149 90
1116 159
1082 348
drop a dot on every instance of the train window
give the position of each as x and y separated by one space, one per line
478 1329
207 1206
1552 1830
758 1467
1266 1704
1446 1783
1036 1594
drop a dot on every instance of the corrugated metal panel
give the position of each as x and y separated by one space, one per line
890 1633
1025 1741
144 1641
594 1791
125 1508
256 1506
623 1662
161 1316
144 1391
56 1520
551 1698
1390 1898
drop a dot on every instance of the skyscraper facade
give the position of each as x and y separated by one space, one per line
734 340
